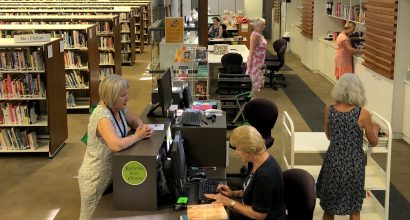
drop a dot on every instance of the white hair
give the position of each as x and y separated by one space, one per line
110 88
258 21
349 89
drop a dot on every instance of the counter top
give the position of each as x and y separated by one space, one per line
328 42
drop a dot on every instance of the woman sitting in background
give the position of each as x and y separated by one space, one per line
262 193
107 133
340 186
216 28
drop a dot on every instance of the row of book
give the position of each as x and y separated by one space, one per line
125 27
124 16
73 39
125 57
353 13
18 113
21 59
106 58
104 27
73 59
74 80
125 47
70 99
16 139
106 42
125 37
106 72
27 86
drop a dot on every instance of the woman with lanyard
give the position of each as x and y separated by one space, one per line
216 29
107 133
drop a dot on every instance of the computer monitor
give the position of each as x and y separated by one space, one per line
187 97
178 161
164 83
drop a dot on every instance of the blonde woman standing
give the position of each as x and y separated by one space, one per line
257 53
345 51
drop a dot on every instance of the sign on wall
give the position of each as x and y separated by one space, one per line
174 30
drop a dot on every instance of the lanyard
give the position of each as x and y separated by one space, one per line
123 133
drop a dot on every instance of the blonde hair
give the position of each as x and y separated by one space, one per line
248 139
349 25
110 87
258 21
349 89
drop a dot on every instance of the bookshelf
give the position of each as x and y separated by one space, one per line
42 77
349 10
80 56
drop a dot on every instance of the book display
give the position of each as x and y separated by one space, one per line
80 58
350 10
33 116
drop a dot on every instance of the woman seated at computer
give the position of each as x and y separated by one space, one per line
216 29
262 195
107 133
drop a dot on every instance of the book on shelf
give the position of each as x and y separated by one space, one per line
74 79
27 86
17 139
70 99
73 59
214 211
18 113
106 58
21 60
106 72
106 42
104 27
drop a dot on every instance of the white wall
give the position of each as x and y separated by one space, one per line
253 8
402 63
293 14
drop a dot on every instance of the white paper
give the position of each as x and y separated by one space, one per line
91 33
62 46
156 127
49 51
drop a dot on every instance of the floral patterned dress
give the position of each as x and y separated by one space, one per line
340 185
254 69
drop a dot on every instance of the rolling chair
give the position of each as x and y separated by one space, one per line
300 195
277 44
231 64
272 66
262 114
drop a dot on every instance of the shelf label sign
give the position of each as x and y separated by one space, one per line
134 173
174 30
122 8
26 38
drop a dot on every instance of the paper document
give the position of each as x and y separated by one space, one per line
156 127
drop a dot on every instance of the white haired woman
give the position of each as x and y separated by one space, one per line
107 133
262 195
340 186
257 53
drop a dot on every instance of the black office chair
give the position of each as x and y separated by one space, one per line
300 196
277 45
273 66
224 31
231 63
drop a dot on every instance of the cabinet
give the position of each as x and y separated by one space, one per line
406 112
33 96
295 40
326 55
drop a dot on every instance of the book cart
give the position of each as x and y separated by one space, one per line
33 116
376 177
80 58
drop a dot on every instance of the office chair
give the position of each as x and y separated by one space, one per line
300 195
273 66
224 31
277 44
231 63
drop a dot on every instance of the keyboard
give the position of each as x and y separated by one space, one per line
191 118
207 186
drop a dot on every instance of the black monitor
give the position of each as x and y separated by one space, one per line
178 161
187 97
164 83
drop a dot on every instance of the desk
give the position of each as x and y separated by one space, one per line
201 145
228 40
214 62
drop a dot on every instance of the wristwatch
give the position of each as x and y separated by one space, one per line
232 203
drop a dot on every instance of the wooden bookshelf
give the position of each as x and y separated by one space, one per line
307 18
51 128
380 46
88 53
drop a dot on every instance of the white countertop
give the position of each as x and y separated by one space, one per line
328 42
216 58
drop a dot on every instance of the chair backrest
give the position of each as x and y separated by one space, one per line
288 140
262 114
277 44
232 62
300 196
281 54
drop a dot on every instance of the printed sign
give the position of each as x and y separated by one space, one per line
174 30
134 173
25 38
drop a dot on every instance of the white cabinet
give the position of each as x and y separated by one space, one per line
406 112
295 40
326 56
306 51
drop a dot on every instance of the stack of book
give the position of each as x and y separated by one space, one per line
16 139
21 59
26 86
18 113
